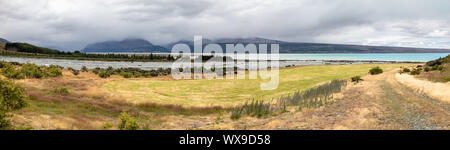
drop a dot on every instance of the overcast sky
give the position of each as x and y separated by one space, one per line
71 24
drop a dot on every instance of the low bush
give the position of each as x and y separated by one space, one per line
84 69
137 74
406 70
53 71
375 71
9 71
415 72
12 98
75 72
434 68
29 70
127 122
126 74
356 79
107 125
103 74
427 69
32 71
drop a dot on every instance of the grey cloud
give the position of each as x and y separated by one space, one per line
73 24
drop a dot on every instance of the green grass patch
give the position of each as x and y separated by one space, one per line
231 92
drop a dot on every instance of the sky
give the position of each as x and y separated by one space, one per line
72 24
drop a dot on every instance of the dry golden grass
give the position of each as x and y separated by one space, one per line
436 90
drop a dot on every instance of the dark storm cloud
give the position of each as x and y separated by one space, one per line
71 24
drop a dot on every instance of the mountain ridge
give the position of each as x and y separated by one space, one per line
285 47
127 45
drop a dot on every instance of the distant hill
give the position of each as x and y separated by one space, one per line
297 47
3 41
140 45
28 48
128 45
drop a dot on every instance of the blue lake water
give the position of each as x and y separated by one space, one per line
416 57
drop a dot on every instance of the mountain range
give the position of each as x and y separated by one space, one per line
127 45
140 45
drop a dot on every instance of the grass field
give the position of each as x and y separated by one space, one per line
92 100
231 92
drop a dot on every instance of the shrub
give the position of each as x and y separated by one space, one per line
356 79
127 122
415 72
406 70
84 69
96 70
126 74
107 125
31 71
137 74
61 91
103 74
12 97
76 72
153 73
427 69
9 71
53 71
375 71
147 74
434 68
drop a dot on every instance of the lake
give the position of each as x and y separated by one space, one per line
287 60
414 57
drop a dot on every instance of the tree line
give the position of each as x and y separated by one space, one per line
28 50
